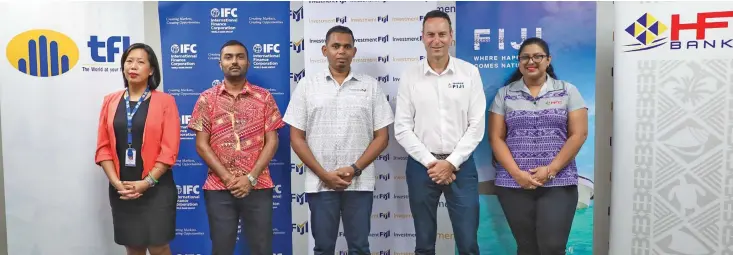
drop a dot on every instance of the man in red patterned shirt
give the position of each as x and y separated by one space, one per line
236 126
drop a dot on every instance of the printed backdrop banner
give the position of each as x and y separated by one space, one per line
672 124
489 35
60 60
388 38
192 34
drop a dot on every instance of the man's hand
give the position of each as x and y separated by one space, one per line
346 173
133 189
334 180
441 172
240 186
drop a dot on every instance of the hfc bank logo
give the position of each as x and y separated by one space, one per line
483 36
298 46
301 228
297 15
42 53
649 32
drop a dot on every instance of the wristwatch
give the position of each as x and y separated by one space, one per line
357 171
252 180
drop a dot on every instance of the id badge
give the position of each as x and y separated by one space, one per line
130 157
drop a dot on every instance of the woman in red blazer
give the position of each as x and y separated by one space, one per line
137 153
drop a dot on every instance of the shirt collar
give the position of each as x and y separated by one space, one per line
429 70
327 74
549 85
245 90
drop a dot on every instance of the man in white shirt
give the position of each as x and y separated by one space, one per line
440 119
338 126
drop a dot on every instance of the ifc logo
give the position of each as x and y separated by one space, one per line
215 12
42 53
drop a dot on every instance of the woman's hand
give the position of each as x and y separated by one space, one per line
526 180
133 190
541 174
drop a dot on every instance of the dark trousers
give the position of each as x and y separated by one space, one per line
540 219
461 199
224 211
328 208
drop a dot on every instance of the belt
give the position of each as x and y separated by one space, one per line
440 156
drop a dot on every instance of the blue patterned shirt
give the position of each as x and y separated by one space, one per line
537 128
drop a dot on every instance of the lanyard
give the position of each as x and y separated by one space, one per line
131 114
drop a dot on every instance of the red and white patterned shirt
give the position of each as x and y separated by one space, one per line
237 126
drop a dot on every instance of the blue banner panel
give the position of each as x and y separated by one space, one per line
488 34
192 34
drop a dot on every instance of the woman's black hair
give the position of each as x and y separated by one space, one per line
517 75
153 80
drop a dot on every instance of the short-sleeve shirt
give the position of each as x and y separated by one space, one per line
339 123
537 128
237 125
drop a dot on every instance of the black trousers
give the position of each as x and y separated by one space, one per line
540 219
224 211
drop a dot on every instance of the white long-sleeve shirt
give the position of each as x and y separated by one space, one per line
440 113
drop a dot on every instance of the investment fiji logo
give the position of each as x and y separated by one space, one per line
298 168
647 30
296 15
301 228
298 46
42 53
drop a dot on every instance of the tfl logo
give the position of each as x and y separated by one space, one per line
224 12
113 45
297 15
184 48
301 228
42 53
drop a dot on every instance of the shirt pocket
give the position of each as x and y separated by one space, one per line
457 92
357 105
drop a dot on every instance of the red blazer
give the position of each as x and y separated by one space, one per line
161 135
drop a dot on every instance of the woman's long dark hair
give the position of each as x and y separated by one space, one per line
517 75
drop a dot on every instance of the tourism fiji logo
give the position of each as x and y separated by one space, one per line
649 32
42 53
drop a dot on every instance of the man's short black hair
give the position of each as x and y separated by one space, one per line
437 14
340 29
235 42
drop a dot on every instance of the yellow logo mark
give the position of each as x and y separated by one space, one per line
42 53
